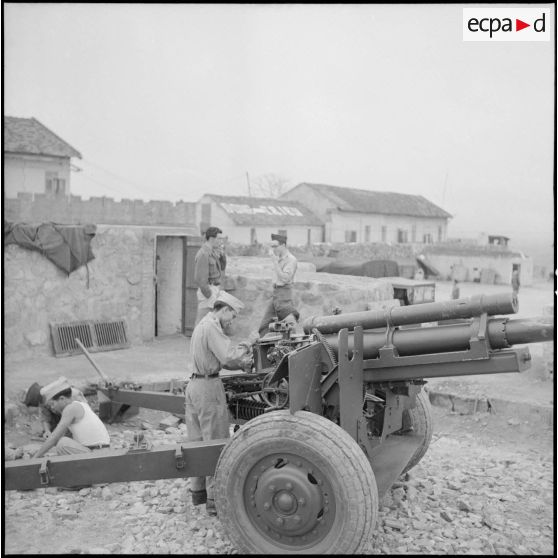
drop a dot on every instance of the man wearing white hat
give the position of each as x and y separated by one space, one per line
88 431
207 414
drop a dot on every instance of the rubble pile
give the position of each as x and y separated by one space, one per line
473 493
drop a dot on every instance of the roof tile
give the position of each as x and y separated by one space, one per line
367 201
28 135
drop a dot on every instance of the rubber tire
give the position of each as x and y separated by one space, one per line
330 449
421 420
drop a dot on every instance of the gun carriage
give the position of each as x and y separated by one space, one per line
326 421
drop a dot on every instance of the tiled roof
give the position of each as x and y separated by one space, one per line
244 210
389 203
28 135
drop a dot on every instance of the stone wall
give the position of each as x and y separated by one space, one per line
117 284
29 208
315 294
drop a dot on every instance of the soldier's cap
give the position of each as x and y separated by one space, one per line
50 390
230 300
279 238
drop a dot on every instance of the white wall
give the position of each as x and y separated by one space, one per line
336 223
344 221
296 234
501 263
26 173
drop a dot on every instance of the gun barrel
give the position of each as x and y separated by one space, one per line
493 304
501 332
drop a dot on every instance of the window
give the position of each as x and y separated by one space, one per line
54 185
367 233
414 234
427 238
350 236
439 234
402 235
309 237
384 233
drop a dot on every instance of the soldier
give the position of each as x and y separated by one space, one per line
88 431
209 270
48 418
455 290
284 269
515 281
207 414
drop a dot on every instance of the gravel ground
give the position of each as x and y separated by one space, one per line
484 487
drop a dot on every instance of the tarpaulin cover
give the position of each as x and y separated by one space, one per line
67 246
371 268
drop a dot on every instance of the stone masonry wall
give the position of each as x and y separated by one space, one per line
111 286
118 284
315 294
29 208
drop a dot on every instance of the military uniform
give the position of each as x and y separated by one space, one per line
282 290
209 269
206 411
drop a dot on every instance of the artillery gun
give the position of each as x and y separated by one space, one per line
326 421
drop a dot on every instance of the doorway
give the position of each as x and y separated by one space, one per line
175 299
169 254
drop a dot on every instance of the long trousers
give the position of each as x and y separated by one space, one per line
68 446
282 296
207 418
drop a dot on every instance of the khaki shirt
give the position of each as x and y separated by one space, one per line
212 349
287 266
209 269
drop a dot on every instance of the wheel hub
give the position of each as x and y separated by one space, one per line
288 499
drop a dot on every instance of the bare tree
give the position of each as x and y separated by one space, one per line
270 185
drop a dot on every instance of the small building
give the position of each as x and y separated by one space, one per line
36 160
251 220
352 215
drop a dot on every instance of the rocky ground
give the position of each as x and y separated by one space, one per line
484 487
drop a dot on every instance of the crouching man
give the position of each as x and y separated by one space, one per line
87 429
206 410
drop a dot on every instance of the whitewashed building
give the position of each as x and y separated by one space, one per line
36 160
251 220
352 215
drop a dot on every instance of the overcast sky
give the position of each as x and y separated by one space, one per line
174 101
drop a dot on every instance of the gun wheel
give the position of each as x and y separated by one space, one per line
297 483
419 421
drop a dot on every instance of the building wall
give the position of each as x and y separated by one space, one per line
336 222
117 284
297 234
466 267
27 173
416 227
319 205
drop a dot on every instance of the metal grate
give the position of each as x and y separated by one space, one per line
96 335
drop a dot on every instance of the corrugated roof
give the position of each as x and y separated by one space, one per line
367 201
28 135
244 210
